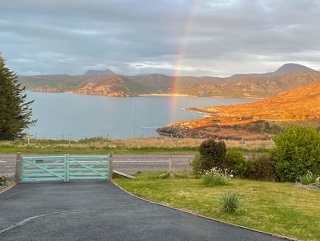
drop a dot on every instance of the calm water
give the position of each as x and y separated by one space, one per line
63 114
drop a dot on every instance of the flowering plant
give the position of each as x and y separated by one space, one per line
216 176
318 182
308 178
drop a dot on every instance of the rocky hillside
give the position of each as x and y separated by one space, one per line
51 83
297 104
113 86
252 85
160 84
254 120
257 86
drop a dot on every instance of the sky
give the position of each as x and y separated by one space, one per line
173 37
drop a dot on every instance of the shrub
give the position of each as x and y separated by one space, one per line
260 167
212 154
216 177
195 164
297 151
230 202
236 162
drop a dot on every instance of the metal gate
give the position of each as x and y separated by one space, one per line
65 168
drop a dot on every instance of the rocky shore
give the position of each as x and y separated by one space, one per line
223 132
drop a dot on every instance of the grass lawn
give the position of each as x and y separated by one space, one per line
278 208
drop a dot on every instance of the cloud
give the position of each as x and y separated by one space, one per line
141 36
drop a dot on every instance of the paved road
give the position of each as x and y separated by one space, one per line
129 164
94 210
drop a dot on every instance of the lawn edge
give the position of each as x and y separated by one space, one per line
7 189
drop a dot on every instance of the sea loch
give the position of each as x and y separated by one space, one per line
61 115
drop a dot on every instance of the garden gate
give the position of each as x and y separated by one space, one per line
65 168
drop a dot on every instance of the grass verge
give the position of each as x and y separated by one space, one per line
143 145
278 208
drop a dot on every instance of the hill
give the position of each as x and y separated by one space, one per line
288 69
297 104
157 83
113 86
91 72
284 69
253 85
256 120
262 86
51 83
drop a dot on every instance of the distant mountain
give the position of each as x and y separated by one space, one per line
251 85
258 86
284 69
288 69
98 72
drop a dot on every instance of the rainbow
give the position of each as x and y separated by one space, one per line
182 48
179 60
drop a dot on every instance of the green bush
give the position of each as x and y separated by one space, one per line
236 162
297 151
216 177
230 202
212 154
195 164
257 167
260 167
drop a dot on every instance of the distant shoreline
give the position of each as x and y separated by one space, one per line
168 94
145 95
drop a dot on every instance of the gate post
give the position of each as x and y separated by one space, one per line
110 168
17 172
66 169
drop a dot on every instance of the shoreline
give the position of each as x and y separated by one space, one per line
204 114
146 95
167 95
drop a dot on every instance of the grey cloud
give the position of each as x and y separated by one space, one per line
141 36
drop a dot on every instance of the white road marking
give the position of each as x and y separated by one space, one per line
23 222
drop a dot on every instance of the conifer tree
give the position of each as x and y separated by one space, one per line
15 112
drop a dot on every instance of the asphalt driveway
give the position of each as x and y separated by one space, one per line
95 210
